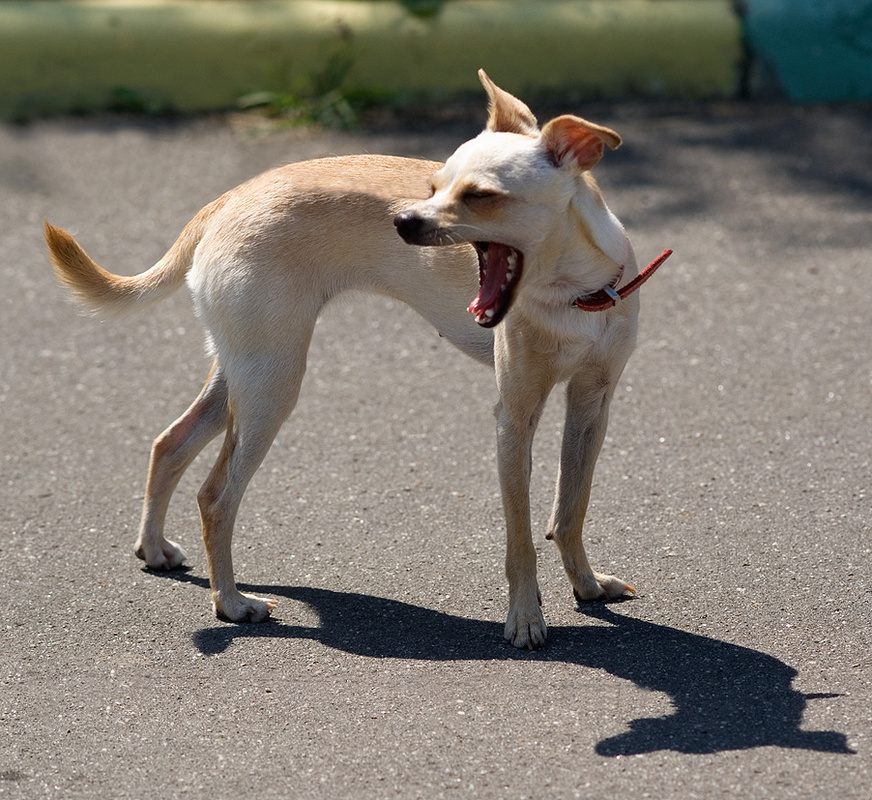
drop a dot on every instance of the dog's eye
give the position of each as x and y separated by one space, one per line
479 194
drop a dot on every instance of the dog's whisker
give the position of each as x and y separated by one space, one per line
471 228
449 236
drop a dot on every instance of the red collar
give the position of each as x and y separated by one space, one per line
608 297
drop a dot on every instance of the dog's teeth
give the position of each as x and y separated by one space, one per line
512 260
489 313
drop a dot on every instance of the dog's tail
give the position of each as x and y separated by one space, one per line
105 293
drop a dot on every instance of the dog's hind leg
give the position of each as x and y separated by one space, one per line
172 453
263 390
587 407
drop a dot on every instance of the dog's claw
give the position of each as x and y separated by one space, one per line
164 555
526 631
243 608
609 588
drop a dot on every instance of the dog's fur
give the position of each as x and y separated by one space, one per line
262 260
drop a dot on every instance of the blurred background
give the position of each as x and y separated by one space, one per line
329 60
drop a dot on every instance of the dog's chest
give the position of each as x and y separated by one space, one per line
586 339
572 355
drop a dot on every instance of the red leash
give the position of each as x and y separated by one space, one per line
609 296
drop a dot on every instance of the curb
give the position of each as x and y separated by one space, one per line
198 55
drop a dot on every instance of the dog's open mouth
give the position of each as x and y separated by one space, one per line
499 270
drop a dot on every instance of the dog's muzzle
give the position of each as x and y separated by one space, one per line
499 266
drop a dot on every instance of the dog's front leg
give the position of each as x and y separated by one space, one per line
525 626
587 407
522 397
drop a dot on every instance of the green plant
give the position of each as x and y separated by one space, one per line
316 100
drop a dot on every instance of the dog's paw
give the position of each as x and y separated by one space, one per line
525 628
162 554
602 587
242 607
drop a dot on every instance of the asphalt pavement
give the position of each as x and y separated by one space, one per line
733 491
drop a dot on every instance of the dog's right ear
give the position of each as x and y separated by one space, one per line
506 112
575 142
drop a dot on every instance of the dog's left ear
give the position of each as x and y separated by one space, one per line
505 112
573 141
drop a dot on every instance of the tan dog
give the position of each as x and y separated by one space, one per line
262 260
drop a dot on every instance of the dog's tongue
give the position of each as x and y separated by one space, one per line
496 269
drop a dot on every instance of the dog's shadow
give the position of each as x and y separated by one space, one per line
724 697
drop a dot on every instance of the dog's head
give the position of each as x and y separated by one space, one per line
507 192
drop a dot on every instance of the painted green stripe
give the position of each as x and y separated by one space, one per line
196 54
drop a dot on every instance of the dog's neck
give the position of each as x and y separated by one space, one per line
579 258
603 227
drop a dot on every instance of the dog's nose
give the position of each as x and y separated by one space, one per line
409 225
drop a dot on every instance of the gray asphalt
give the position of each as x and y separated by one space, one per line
733 491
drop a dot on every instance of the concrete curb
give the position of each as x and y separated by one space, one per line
194 55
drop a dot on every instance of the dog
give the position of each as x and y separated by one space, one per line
513 219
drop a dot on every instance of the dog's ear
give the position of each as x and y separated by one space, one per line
573 141
505 112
